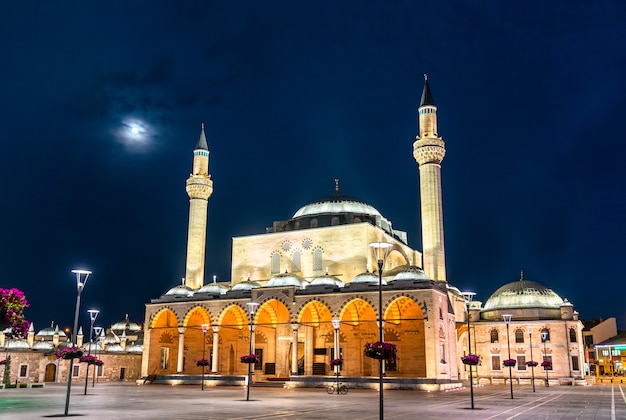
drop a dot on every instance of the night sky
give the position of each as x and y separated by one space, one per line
102 104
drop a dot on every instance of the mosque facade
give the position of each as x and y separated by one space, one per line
308 290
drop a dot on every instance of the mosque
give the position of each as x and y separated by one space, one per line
310 290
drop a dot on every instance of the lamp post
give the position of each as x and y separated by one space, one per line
381 250
336 324
81 281
530 334
507 321
205 328
544 338
93 314
468 296
252 307
98 331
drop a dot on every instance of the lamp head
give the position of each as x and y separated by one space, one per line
97 330
544 335
381 250
93 314
81 278
507 318
530 330
252 307
336 323
468 296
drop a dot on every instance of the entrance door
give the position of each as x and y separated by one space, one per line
122 374
51 373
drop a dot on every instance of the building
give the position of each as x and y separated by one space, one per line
308 288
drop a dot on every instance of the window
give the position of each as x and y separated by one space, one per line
440 314
275 263
575 363
494 336
545 333
495 363
76 371
572 335
296 261
442 351
314 223
100 370
521 362
165 357
23 371
317 260
548 359
605 352
334 221
519 336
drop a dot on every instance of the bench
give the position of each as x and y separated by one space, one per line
505 379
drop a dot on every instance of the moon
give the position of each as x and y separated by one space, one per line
135 134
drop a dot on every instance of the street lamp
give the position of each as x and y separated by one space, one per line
98 331
93 314
507 321
252 307
81 281
468 296
205 328
532 367
336 324
381 250
544 338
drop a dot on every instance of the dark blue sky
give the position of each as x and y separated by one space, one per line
294 94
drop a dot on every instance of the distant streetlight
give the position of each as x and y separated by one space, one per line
468 296
532 367
81 280
97 331
381 250
507 321
544 338
205 328
93 314
252 307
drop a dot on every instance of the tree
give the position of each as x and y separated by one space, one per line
12 305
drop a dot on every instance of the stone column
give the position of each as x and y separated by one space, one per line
181 349
294 350
216 342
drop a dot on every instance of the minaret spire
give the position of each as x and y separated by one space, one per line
199 188
429 150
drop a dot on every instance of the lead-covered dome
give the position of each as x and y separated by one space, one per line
287 279
336 203
410 273
523 294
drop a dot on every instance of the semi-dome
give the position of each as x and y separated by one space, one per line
523 294
411 273
336 203
367 277
287 279
327 280
180 290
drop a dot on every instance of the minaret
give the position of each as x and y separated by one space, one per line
199 188
429 150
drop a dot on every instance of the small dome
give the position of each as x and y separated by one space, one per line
114 348
180 290
43 346
49 332
16 344
367 277
246 285
125 325
111 338
214 288
327 280
523 294
134 348
287 279
411 273
92 347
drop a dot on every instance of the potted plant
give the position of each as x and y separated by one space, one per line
531 363
380 350
470 359
70 353
202 362
509 362
336 362
546 364
249 358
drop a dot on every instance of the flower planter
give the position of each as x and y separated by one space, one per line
380 351
72 355
509 362
531 363
249 358
202 362
470 359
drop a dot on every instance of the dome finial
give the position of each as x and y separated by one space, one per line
425 77
336 186
521 275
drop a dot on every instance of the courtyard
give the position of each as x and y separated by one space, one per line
124 401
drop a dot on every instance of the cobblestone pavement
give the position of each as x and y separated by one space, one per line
123 401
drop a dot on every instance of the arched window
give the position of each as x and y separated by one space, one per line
334 221
572 335
317 260
494 336
440 314
296 261
519 336
545 333
313 223
275 263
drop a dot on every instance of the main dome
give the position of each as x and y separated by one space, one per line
523 294
336 203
